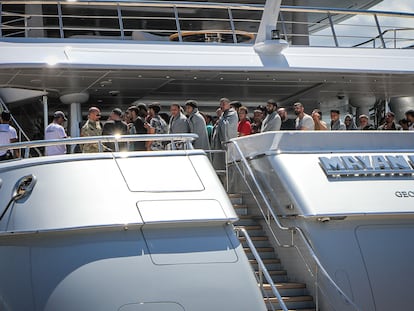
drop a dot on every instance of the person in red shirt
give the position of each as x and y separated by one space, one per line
244 126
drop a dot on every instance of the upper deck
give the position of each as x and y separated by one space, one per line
205 22
160 50
118 52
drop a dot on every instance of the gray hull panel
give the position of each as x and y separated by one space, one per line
115 270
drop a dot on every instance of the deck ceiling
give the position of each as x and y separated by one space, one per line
120 88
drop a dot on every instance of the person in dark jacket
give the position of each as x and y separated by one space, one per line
137 115
115 126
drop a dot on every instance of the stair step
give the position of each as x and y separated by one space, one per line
278 276
291 299
234 195
246 221
252 227
235 198
260 249
241 209
257 243
288 285
293 303
255 238
251 217
268 261
263 255
276 272
285 289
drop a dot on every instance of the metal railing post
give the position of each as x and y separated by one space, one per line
26 31
121 23
45 112
260 277
227 170
233 29
1 20
333 29
177 24
61 32
379 31
282 21
317 288
395 38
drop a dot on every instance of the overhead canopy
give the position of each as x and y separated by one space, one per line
11 95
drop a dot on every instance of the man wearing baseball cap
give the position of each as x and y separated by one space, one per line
55 130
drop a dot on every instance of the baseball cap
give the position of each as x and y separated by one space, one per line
58 114
117 111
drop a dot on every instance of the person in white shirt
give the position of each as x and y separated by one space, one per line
303 122
55 130
8 135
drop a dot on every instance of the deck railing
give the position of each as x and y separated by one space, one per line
202 22
184 141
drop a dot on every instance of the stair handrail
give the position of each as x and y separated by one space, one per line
262 267
278 223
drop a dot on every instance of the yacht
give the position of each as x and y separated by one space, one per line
296 221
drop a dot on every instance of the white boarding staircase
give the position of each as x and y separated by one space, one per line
294 295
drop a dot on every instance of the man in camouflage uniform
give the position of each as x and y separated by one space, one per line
92 127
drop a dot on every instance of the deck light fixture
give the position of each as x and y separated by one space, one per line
275 34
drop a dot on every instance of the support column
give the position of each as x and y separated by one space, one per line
45 113
399 105
300 27
75 100
362 103
268 41
75 119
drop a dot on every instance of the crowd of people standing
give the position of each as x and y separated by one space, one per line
231 120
